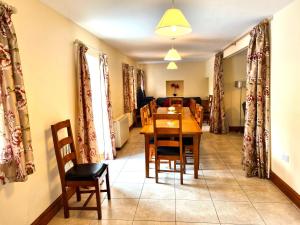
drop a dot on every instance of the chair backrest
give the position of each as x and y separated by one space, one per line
193 106
153 106
145 115
171 127
62 152
199 114
175 101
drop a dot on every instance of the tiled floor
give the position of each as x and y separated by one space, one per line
221 195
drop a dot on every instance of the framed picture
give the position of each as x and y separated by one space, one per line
174 88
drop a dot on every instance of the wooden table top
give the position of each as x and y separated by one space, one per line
189 124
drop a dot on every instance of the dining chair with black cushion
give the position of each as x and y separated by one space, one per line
83 178
188 141
170 149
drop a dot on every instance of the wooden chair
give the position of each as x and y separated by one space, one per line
193 106
175 101
199 113
188 141
153 107
145 115
79 175
171 149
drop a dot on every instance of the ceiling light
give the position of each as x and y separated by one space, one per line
172 55
172 66
173 23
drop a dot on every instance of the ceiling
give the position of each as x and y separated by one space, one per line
128 25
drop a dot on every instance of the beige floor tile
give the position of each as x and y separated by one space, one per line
131 177
119 209
126 190
219 177
158 191
237 213
265 193
185 223
155 210
279 213
227 193
152 223
111 222
195 211
192 192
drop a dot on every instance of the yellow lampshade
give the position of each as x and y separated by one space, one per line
172 55
172 66
173 24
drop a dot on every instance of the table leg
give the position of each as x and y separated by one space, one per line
196 154
147 140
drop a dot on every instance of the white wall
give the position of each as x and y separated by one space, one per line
285 97
193 74
46 49
234 69
209 73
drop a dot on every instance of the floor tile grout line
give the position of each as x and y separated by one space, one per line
212 200
248 199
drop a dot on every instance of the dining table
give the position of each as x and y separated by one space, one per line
190 128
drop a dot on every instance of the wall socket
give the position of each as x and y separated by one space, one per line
285 157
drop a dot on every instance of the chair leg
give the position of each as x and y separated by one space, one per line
170 164
107 185
78 195
65 203
156 169
181 172
97 189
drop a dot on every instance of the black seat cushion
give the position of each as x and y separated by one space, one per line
90 171
187 141
162 150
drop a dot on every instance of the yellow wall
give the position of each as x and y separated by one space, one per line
193 74
46 47
209 73
234 69
285 98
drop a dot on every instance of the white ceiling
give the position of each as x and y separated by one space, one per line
128 25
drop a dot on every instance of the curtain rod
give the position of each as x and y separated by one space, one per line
245 34
77 41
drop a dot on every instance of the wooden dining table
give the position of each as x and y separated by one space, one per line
190 128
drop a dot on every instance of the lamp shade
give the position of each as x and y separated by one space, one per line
173 24
172 66
172 55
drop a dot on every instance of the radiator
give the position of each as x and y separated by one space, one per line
121 129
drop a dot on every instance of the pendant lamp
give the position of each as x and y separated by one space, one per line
172 66
172 55
173 23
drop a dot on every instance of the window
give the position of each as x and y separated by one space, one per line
100 113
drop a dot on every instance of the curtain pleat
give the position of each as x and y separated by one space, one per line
256 143
128 88
86 134
16 160
108 153
217 116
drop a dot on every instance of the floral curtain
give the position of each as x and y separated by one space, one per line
217 116
128 88
140 80
256 145
16 158
108 154
86 134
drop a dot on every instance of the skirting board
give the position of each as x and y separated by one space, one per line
51 211
285 188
